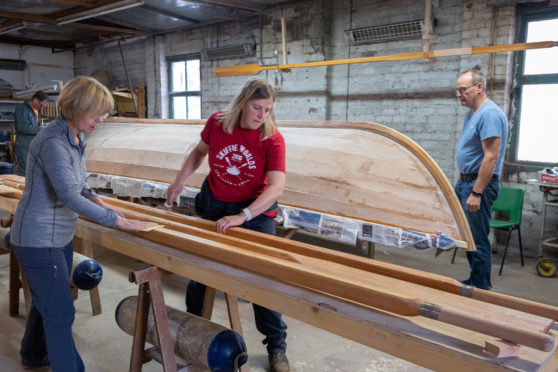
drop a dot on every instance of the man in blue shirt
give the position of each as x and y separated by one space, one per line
480 154
27 125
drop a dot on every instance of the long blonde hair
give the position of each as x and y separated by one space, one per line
84 96
253 89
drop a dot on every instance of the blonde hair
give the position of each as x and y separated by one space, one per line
84 96
253 89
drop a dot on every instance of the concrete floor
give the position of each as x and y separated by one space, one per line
105 348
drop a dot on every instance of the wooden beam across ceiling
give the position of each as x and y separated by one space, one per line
28 17
75 2
106 28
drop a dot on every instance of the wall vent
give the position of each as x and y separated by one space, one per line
12 64
247 49
394 31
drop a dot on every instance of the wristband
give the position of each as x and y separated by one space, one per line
247 213
479 194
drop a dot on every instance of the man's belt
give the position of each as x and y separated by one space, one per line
468 177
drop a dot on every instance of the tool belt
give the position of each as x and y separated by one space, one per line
468 177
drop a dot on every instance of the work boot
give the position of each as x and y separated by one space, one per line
278 362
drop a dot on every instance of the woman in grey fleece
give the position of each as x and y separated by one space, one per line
42 232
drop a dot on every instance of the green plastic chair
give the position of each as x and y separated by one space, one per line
509 201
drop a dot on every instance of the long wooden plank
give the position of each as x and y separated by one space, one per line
368 265
364 171
371 290
356 276
253 69
419 340
415 276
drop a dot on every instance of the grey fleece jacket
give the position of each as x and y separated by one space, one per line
53 196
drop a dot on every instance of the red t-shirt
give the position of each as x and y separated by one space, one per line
239 162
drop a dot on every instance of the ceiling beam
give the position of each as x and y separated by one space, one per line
11 26
169 14
105 28
105 8
27 17
66 35
75 2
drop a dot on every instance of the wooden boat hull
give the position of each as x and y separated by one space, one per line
359 170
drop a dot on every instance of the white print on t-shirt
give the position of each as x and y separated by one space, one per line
233 164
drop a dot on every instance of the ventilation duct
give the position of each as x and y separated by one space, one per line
12 64
245 49
394 31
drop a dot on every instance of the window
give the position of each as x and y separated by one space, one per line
534 138
185 87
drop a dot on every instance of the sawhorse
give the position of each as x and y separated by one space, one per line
151 293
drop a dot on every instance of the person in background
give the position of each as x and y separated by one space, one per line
27 125
42 232
246 178
480 154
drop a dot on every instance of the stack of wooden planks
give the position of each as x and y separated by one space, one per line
364 282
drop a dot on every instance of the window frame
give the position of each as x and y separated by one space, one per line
171 94
521 80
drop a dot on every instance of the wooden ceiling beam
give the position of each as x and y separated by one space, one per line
27 17
66 35
106 28
76 2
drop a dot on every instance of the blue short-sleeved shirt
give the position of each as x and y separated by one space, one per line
489 121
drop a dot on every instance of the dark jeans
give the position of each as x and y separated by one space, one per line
480 261
49 326
268 322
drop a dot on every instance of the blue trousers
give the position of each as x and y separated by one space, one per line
480 261
268 322
48 331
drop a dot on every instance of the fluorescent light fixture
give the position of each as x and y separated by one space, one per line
105 9
15 27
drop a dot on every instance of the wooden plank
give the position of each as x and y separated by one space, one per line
253 69
363 171
241 236
283 245
419 340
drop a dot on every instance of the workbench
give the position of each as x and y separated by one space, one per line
546 267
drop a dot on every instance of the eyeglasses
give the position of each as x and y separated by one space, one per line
463 90
102 116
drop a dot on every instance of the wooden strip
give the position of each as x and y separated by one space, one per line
339 286
419 340
253 69
372 266
314 277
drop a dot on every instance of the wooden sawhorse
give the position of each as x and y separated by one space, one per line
151 293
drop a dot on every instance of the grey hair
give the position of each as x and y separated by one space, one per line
476 76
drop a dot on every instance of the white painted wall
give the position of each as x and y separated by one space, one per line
42 65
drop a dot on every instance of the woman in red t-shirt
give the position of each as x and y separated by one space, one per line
246 156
